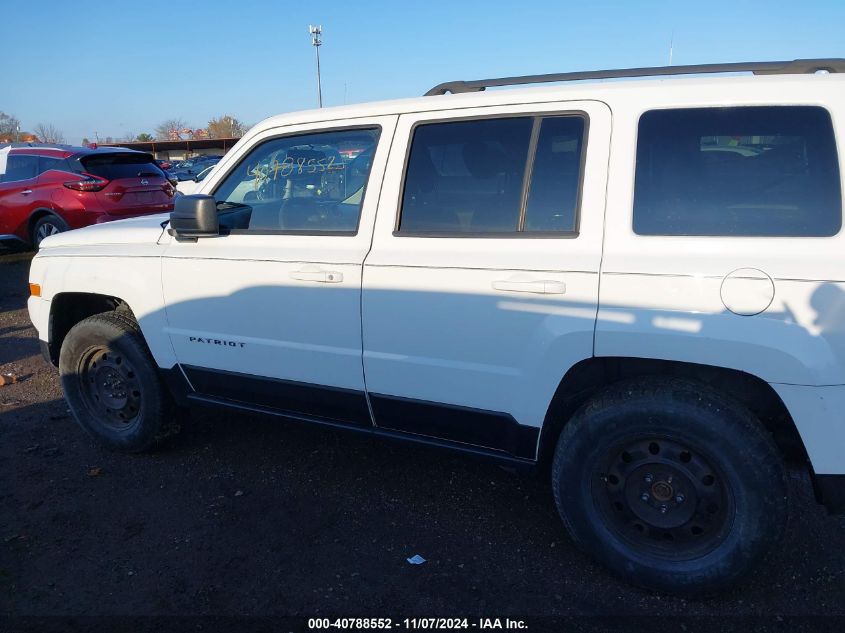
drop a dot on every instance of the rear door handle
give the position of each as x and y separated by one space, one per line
26 192
320 276
540 287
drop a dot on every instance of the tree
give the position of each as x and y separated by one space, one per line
9 126
49 133
226 126
170 128
144 137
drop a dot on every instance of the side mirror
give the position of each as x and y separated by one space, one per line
193 217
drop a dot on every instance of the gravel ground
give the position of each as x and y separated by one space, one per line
247 515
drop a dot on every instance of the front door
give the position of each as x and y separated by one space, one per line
268 314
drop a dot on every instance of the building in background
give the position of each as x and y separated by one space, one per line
181 149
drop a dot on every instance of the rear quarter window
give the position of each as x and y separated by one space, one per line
747 171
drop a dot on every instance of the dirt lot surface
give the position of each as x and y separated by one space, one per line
247 515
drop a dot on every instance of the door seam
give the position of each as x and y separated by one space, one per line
363 267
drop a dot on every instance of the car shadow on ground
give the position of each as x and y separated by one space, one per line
15 348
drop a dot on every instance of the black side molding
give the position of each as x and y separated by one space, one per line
491 435
489 429
287 396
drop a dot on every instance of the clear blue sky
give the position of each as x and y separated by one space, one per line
118 66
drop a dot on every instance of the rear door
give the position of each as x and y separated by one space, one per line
135 183
52 173
481 288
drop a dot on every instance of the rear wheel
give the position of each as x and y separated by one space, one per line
111 383
45 227
670 485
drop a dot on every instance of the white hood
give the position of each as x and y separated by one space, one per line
146 229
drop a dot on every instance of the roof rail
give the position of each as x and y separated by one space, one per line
796 67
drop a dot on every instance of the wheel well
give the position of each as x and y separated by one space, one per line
69 308
594 374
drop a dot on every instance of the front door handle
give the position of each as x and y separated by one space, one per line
26 192
540 286
320 276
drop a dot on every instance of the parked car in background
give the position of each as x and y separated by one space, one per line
190 186
188 169
164 164
46 190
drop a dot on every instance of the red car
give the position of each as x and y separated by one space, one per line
49 189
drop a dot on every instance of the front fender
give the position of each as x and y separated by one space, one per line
134 280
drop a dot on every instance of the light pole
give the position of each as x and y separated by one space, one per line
316 32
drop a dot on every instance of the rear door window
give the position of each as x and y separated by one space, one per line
745 171
120 165
20 167
489 177
466 176
552 203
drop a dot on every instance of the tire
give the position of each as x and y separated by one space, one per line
111 383
47 226
671 485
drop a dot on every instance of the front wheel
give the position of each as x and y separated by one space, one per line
111 383
671 485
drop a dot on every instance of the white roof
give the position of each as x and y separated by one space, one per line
659 91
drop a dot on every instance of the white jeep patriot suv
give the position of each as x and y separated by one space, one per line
640 283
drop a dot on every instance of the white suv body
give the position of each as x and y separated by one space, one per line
489 340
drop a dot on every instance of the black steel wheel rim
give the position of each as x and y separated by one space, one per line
110 388
663 497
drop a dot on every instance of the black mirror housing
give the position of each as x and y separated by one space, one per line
193 217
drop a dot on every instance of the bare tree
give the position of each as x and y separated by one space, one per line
49 133
170 128
226 126
9 126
